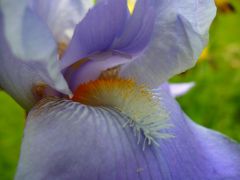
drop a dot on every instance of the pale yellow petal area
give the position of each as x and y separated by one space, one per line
131 5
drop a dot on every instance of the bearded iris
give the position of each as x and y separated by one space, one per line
86 72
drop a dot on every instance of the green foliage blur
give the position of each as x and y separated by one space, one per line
11 131
214 102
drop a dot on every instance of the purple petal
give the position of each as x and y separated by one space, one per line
61 16
138 30
27 53
92 69
16 77
110 28
180 34
67 140
96 31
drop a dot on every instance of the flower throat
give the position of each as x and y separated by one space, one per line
143 107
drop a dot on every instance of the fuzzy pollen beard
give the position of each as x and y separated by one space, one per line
143 108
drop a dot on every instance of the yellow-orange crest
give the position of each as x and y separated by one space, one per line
143 107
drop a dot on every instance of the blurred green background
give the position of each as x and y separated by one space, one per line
214 102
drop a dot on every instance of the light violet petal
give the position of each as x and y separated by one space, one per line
127 40
92 68
61 16
179 89
28 54
67 140
16 77
138 29
180 34
96 32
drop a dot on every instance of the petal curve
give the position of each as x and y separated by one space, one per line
180 34
61 16
28 54
70 141
107 28
97 31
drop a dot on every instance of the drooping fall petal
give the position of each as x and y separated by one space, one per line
67 140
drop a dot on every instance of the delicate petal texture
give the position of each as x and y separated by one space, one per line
92 69
107 28
179 89
16 77
138 29
27 54
61 15
66 140
97 30
180 34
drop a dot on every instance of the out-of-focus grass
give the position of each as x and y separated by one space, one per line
214 102
11 127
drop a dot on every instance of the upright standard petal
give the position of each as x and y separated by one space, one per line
27 53
111 32
67 140
61 16
97 30
180 34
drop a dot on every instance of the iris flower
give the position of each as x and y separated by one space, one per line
93 81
